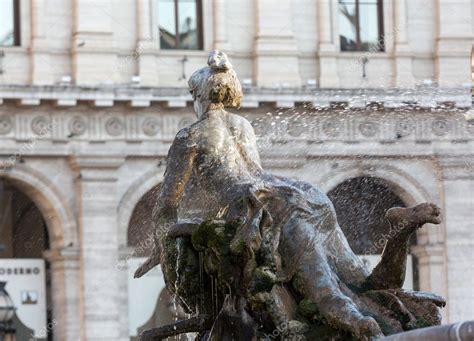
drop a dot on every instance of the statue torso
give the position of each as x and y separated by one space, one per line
221 168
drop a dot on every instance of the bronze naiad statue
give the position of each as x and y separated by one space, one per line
256 256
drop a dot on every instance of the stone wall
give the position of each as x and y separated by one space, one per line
274 44
84 141
86 174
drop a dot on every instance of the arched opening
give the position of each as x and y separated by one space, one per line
150 304
140 227
360 205
23 240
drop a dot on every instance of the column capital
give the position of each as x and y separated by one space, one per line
97 161
457 167
428 250
62 254
96 168
6 163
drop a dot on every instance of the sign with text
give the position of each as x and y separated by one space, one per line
26 285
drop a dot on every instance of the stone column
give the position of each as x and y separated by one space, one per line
328 48
93 54
220 26
125 254
145 31
453 42
65 292
458 214
403 62
148 43
41 72
96 186
275 51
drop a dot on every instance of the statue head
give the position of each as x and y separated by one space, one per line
215 85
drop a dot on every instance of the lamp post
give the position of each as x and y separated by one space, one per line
7 311
2 55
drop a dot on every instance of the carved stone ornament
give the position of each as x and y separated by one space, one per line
77 125
6 125
151 126
186 121
470 126
114 126
262 126
404 127
297 127
331 127
41 125
369 128
441 127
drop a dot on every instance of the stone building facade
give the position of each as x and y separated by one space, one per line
93 92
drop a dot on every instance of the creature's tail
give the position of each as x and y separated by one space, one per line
175 231
199 324
149 264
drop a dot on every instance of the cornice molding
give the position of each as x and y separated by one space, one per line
93 162
460 167
25 129
429 97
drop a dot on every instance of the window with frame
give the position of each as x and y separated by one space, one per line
361 25
180 24
9 23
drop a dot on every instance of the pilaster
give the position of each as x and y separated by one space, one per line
96 186
40 66
93 49
403 61
221 41
275 50
65 292
458 181
125 253
453 42
328 75
148 43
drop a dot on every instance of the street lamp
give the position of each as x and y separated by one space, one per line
2 55
7 311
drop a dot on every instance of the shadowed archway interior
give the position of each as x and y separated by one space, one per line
360 204
23 234
140 227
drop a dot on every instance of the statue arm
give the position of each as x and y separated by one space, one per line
178 170
249 141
